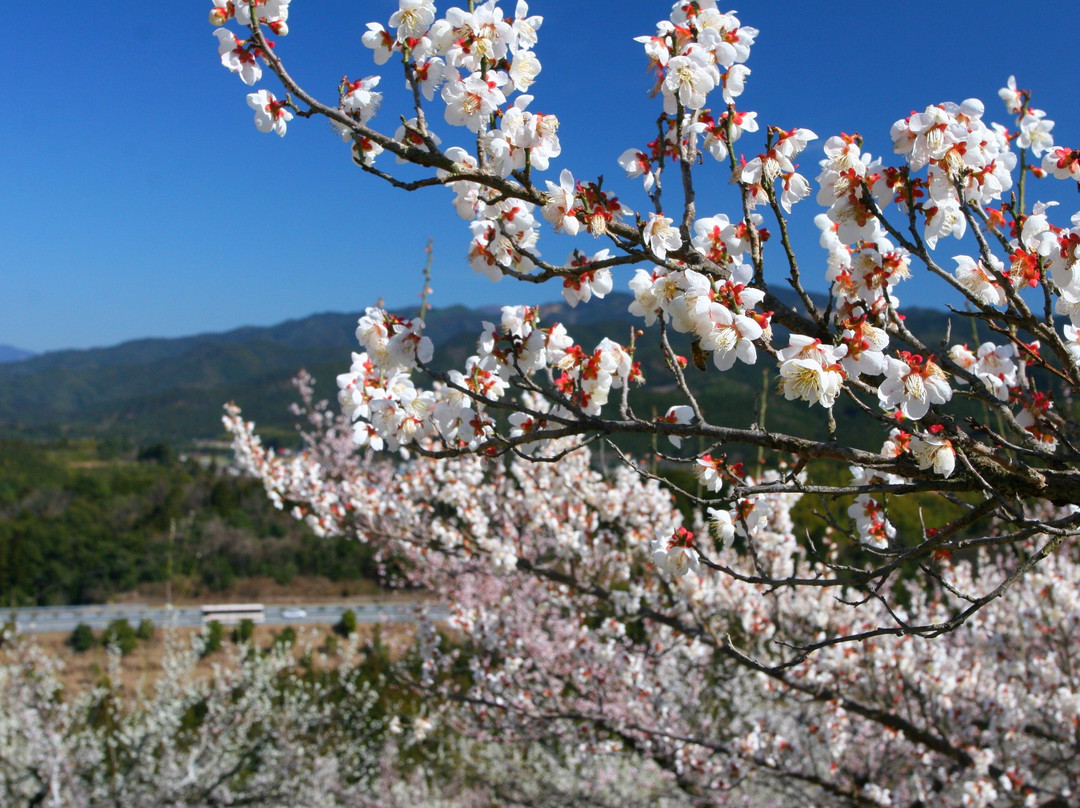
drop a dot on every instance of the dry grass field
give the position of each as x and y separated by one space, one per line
140 669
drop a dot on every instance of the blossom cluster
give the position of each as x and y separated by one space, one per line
720 314
645 642
582 593
390 411
705 276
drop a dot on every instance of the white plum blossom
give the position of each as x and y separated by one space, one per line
470 102
734 82
380 41
525 26
431 73
793 141
678 414
393 342
729 336
795 187
811 370
676 554
524 70
1072 342
871 523
995 366
361 99
1035 132
686 298
561 209
1012 98
811 381
273 13
708 470
912 384
944 219
364 150
588 284
934 452
237 57
865 344
271 115
718 239
222 12
648 293
409 134
980 283
1062 163
636 164
722 526
660 237
690 77
413 18
478 35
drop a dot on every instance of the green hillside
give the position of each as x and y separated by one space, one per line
82 521
95 498
172 390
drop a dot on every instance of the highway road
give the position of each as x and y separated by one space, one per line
45 619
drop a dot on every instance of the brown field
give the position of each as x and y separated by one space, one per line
141 668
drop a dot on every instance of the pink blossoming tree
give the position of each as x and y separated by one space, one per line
726 650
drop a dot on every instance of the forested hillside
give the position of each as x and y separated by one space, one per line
82 521
172 390
95 500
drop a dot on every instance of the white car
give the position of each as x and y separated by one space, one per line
293 614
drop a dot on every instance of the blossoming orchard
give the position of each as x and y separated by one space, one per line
702 631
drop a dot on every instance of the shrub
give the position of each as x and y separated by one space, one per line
214 634
286 637
346 626
120 633
244 631
82 639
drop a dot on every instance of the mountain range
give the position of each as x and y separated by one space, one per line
172 390
9 353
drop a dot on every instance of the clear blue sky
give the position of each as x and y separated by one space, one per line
139 199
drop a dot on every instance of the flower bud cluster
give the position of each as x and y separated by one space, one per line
720 314
379 395
966 161
776 164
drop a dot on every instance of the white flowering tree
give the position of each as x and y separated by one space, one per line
255 732
713 279
260 729
729 646
573 628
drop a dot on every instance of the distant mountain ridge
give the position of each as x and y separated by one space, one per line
9 353
173 390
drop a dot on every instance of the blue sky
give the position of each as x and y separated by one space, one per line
139 200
